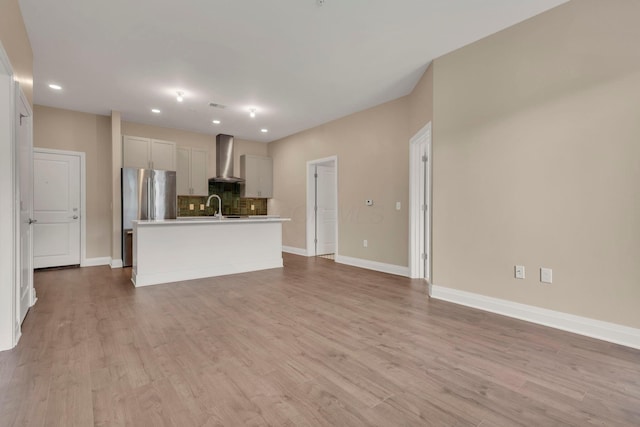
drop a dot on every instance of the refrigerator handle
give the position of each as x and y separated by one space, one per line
153 195
149 205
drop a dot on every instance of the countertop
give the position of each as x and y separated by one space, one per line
191 220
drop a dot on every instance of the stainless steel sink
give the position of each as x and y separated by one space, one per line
225 217
197 218
209 218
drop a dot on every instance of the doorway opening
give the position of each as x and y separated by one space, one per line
420 204
9 248
16 280
322 207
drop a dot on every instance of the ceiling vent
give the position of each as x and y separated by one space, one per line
214 105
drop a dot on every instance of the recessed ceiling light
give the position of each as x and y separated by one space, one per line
264 130
216 122
55 87
155 110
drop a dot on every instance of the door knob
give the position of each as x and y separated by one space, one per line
75 217
32 221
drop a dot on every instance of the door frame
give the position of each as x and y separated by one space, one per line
83 196
21 98
417 241
9 257
311 191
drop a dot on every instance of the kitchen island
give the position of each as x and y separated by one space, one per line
192 248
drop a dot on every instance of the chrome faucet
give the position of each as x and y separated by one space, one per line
219 214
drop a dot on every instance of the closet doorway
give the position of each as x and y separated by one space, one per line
420 204
322 207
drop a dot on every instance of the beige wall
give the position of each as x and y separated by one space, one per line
537 162
195 140
372 148
15 41
421 102
69 130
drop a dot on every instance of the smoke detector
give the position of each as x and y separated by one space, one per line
319 3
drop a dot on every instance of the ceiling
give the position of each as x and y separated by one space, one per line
300 63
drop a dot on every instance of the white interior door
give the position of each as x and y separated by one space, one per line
25 150
326 217
56 239
419 202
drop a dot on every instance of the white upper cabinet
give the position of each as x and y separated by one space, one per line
191 172
146 153
183 171
257 172
199 174
163 155
135 152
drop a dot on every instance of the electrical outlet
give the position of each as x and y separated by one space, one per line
191 206
398 205
365 244
201 206
519 271
253 207
546 275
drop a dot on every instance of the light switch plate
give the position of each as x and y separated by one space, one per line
519 271
546 275
201 206
398 205
191 206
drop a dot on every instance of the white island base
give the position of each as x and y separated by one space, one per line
175 250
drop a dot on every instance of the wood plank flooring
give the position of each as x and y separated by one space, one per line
313 344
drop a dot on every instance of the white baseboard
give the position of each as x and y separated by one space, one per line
116 263
398 270
295 251
611 332
92 262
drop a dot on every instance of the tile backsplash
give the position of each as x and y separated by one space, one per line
232 204
195 201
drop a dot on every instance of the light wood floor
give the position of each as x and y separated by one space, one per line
315 343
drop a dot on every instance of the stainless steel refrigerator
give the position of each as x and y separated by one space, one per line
146 194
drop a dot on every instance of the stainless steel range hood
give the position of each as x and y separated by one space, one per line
224 160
